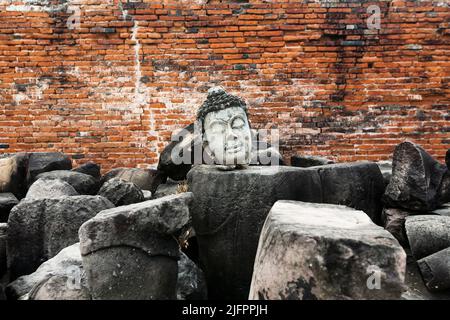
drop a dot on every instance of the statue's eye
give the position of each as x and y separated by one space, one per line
238 123
218 127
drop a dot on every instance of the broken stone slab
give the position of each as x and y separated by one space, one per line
7 202
63 278
170 167
84 184
13 174
65 265
416 289
394 221
39 229
358 185
310 251
416 179
443 210
131 252
40 162
57 288
435 270
144 179
427 234
50 188
228 212
3 241
230 208
305 161
191 284
90 168
121 192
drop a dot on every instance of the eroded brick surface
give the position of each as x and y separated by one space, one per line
114 89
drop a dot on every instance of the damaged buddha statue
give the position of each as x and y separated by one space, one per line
227 138
221 136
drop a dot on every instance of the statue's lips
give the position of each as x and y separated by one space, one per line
233 148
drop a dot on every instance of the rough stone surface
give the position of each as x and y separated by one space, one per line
187 144
191 283
40 162
427 234
50 188
39 229
130 252
144 179
394 221
166 189
66 265
311 251
84 184
305 161
90 168
386 170
56 288
230 208
121 192
357 185
435 270
416 289
7 202
13 174
3 241
416 179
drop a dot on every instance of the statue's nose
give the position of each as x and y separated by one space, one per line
230 134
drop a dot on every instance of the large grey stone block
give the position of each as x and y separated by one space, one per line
427 234
416 179
7 202
82 183
311 251
64 269
230 208
131 252
50 188
39 229
40 162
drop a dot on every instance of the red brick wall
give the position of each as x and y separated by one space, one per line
113 90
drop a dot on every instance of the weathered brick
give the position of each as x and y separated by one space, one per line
114 89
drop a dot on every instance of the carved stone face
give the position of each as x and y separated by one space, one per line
227 136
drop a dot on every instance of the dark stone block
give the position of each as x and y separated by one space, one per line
40 162
416 179
39 229
230 208
89 168
435 270
7 202
427 234
144 179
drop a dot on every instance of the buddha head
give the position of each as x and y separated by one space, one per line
226 131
